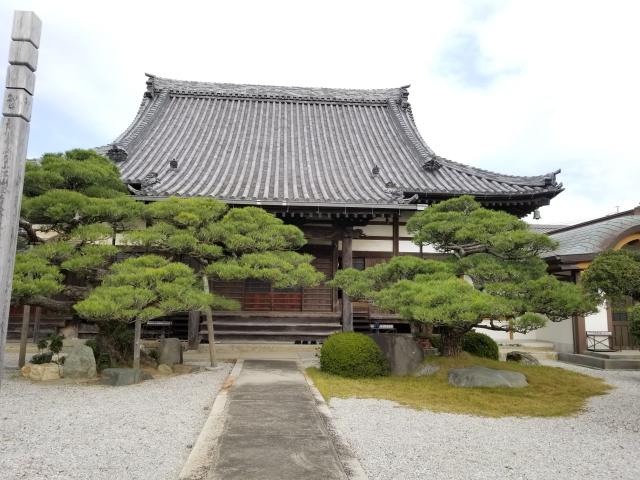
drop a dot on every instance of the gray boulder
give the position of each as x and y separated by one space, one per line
170 351
402 352
119 377
426 370
486 377
79 363
164 369
523 358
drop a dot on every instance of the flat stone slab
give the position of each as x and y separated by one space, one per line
273 430
275 458
477 376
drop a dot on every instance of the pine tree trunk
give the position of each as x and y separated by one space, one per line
136 344
24 333
209 315
451 342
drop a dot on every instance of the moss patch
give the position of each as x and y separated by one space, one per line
552 391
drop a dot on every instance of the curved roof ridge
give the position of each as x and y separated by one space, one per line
406 117
381 95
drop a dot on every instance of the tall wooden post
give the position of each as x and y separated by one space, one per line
193 329
14 136
137 343
36 324
210 335
24 334
347 262
396 235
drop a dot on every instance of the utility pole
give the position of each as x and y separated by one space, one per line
14 137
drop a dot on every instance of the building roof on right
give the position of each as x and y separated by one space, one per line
585 240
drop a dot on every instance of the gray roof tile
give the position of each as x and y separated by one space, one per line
316 145
592 237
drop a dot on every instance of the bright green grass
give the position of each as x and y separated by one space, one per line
551 392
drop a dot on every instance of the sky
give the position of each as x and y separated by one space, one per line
517 87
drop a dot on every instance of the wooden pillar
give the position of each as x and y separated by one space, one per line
137 343
193 330
209 315
396 235
612 340
24 335
579 328
36 324
347 262
14 136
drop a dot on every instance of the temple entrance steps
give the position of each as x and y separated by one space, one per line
622 360
294 327
539 349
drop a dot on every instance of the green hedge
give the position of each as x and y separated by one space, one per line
353 355
480 345
475 343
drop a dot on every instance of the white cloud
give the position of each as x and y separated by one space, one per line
517 87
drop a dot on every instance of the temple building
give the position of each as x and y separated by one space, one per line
347 166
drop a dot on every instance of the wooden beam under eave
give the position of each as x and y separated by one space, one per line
396 235
347 262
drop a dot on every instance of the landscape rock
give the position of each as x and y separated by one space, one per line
44 372
183 368
170 351
26 370
477 376
164 369
119 377
426 370
401 350
80 363
523 358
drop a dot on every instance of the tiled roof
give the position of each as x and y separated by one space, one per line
299 145
592 237
544 228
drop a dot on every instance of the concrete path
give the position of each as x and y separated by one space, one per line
273 430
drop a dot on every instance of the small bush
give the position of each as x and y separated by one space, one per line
154 353
352 355
113 346
103 360
480 345
53 344
40 358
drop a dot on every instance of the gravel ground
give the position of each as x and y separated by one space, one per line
393 442
75 431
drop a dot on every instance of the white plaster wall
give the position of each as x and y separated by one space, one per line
597 321
558 333
363 245
504 336
407 246
377 230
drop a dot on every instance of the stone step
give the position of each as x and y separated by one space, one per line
270 335
232 325
621 355
540 355
594 361
527 346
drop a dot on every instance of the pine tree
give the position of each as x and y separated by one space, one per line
493 277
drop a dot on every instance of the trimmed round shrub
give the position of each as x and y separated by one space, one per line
353 355
480 345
